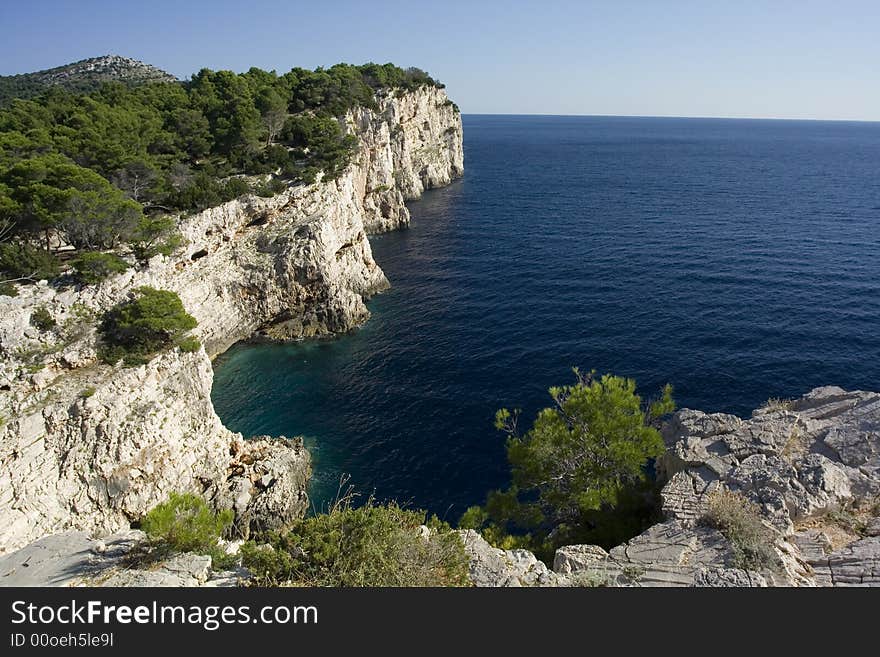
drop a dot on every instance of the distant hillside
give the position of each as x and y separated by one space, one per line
85 75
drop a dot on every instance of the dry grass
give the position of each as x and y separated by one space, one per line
778 404
739 520
838 537
796 446
845 525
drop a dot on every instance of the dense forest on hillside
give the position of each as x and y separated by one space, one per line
114 166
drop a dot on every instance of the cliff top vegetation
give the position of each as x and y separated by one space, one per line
100 169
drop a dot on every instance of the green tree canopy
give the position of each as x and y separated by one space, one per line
583 458
94 266
273 112
51 192
87 166
150 322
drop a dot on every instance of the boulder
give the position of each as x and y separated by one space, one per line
490 566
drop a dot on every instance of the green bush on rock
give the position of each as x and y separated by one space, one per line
155 236
93 267
42 319
189 344
371 545
740 521
136 330
22 261
185 523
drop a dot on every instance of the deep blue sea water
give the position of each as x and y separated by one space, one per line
738 260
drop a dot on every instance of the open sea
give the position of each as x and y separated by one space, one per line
736 259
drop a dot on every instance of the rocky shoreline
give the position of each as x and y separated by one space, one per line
812 468
89 447
817 490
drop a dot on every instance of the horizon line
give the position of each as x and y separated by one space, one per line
671 116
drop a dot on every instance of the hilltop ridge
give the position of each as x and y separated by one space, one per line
84 75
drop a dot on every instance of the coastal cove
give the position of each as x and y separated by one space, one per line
575 296
287 265
737 260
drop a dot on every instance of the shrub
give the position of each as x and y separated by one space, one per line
165 246
591 578
185 523
739 520
276 156
269 565
8 290
189 344
95 266
849 521
155 236
42 319
87 392
778 404
306 174
319 145
270 188
233 188
136 330
20 260
372 545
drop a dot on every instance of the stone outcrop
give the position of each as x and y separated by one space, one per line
812 467
667 554
809 465
492 567
91 447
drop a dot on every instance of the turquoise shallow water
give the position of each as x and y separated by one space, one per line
738 260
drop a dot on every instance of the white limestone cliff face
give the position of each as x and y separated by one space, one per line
91 447
412 143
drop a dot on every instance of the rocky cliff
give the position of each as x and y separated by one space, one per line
413 143
90 447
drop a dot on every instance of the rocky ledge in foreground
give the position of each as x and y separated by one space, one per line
812 468
75 559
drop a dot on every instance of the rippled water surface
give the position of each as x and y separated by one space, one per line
738 260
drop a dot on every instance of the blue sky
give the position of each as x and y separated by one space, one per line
743 58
